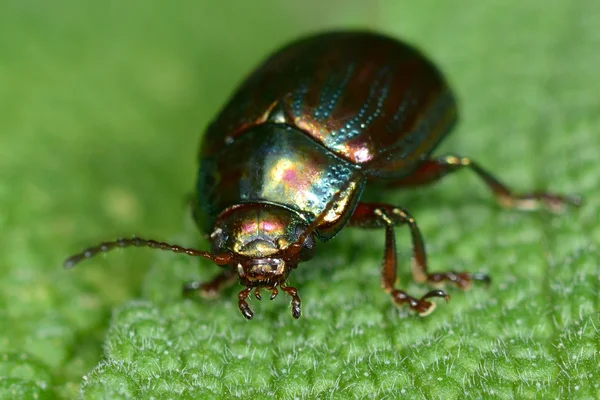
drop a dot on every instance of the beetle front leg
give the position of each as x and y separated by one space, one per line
435 169
211 289
373 215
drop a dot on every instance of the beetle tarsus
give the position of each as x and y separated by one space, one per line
243 304
296 310
296 303
436 293
463 280
554 203
421 306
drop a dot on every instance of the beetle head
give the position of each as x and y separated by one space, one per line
264 244
263 240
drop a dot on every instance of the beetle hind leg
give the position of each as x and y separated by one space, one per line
435 169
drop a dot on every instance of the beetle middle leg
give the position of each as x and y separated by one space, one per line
211 288
435 169
375 215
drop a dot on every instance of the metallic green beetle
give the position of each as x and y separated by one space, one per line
288 158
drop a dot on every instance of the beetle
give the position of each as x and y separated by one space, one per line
289 156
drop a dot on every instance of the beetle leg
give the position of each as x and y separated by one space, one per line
374 215
388 273
435 169
210 289
293 292
243 305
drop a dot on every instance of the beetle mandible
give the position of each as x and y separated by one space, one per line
287 159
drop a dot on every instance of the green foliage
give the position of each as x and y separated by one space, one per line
101 107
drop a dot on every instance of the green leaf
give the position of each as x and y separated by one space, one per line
101 109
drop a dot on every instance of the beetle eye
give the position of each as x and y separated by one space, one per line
308 249
218 238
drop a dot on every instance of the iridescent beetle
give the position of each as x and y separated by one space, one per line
287 159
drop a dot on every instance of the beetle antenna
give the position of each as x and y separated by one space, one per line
219 259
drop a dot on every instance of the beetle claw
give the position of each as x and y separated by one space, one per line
274 293
257 294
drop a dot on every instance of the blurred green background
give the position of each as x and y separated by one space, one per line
102 105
